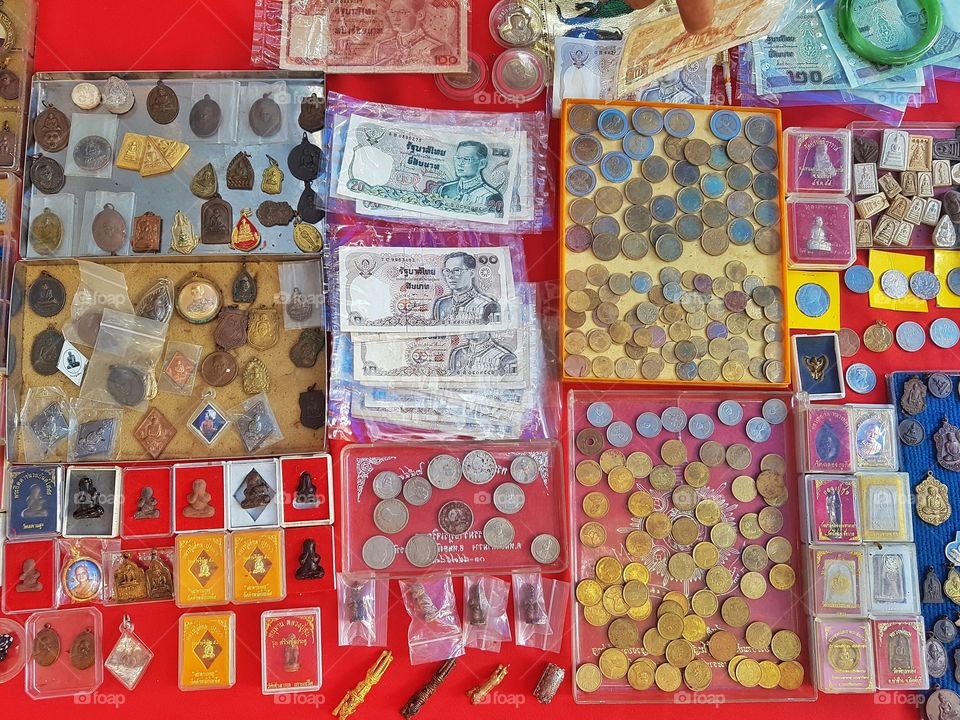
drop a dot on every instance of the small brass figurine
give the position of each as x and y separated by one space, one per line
159 578
351 701
478 694
419 699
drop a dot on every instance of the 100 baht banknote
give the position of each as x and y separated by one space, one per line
420 290
419 36
459 173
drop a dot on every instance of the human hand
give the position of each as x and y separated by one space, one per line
697 15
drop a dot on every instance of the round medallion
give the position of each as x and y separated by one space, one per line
219 368
92 153
46 647
46 232
265 116
163 105
304 160
46 174
9 85
46 296
87 326
126 385
205 117
198 300
45 351
85 95
51 129
109 229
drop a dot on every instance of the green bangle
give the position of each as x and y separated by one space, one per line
868 51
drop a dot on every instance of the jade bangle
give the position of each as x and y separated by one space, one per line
868 51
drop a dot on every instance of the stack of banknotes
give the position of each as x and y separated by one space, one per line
436 340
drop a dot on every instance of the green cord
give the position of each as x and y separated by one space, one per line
868 51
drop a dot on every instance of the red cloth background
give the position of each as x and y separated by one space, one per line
215 34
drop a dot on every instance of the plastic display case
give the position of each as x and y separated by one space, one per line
303 508
290 651
139 576
65 651
207 651
821 232
258 567
838 582
817 160
201 575
147 509
827 444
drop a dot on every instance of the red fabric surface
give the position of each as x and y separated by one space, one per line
215 34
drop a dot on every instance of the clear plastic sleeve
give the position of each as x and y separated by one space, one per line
435 632
100 201
485 624
301 294
256 423
101 288
53 672
178 371
94 431
44 423
540 610
93 139
362 608
43 210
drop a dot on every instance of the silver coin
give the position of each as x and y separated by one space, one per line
894 284
944 332
599 414
649 424
417 491
508 498
910 336
701 426
421 550
730 413
673 419
619 434
861 378
390 516
443 472
479 467
774 411
925 285
387 485
498 533
455 517
758 430
92 153
524 469
379 552
545 549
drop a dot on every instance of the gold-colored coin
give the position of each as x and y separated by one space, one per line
791 675
663 478
719 579
613 601
775 462
785 645
749 527
739 456
681 566
697 474
878 337
667 677
638 543
642 612
575 342
679 652
588 473
623 633
636 571
613 663
753 585
779 500
596 615
654 643
706 555
589 592
769 674
685 530
744 488
675 596
705 603
589 677
620 332
640 674
640 464
782 577
658 525
608 570
621 480
595 505
754 558
712 454
723 535
578 301
598 274
732 666
779 549
770 520
758 635
602 367
694 628
592 535
708 512
735 611
635 593
748 672
640 504
697 675
722 645
670 626
770 484
670 607
611 458
684 497
673 452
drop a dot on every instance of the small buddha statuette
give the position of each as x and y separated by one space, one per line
146 505
29 577
310 568
198 501
476 607
88 501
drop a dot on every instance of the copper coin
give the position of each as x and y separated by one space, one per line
697 151
163 105
455 517
637 218
608 199
767 241
219 368
715 241
740 150
205 117
634 246
673 147
589 441
655 169
606 246
582 119
51 129
715 214
849 342
582 211
638 191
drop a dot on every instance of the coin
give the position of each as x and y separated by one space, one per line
878 337
678 122
582 118
719 579
508 498
910 336
735 611
580 180
779 549
759 130
849 342
654 169
748 673
444 472
421 550
479 467
858 279
612 124
640 675
894 284
219 368
765 159
455 517
417 491
739 150
944 333
861 378
701 427
545 549
766 186
588 677
92 153
386 485
704 603
782 576
791 675
592 535
608 199
586 150
524 469
623 633
686 174
722 645
390 516
812 300
378 552
498 532
589 441
636 146
785 645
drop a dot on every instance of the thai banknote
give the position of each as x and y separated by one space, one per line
419 290
690 84
445 418
423 36
797 58
585 68
498 359
459 173
892 25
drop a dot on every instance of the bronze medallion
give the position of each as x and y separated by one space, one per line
109 229
219 368
159 578
183 239
129 581
46 174
198 300
244 288
216 221
83 651
913 400
256 377
205 117
45 351
307 237
154 433
263 330
87 326
179 369
127 385
271 182
146 233
272 213
204 184
231 330
46 232
8 146
9 85
46 646
304 160
298 308
157 302
51 129
312 109
313 413
47 295
307 207
240 172
163 105
265 116
308 347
